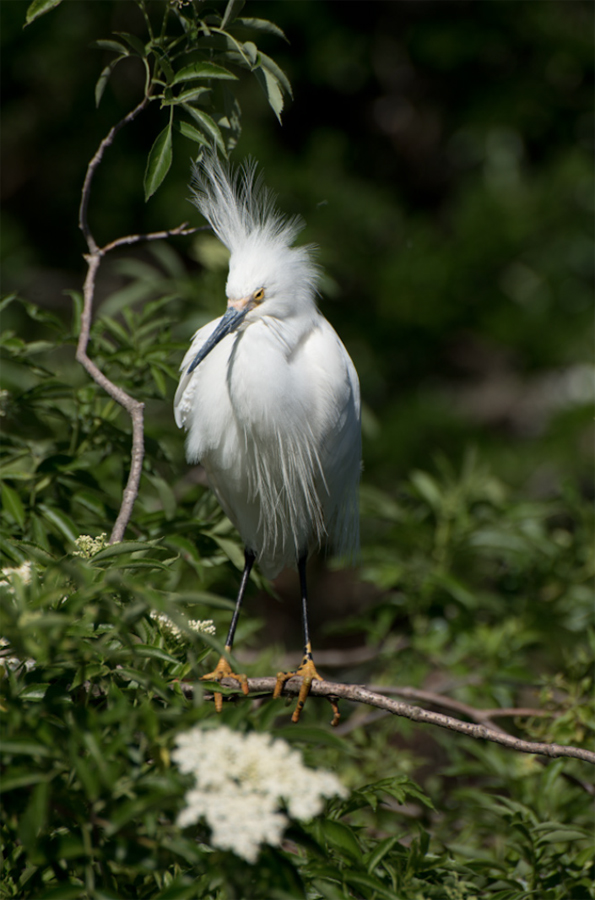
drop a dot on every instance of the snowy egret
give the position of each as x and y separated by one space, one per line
270 399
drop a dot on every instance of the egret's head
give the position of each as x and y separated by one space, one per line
267 275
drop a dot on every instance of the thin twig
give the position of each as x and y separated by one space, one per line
95 161
153 236
360 694
477 715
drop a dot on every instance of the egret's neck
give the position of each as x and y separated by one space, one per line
262 369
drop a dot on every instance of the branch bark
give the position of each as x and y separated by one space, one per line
360 694
135 408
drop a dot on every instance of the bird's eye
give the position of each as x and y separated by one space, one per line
258 295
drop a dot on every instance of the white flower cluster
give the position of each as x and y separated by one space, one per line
201 626
241 780
7 577
23 573
86 546
12 662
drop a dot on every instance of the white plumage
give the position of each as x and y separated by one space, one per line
271 405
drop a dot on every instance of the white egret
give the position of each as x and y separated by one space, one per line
270 398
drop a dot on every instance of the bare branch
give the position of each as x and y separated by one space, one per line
477 715
153 236
133 407
94 163
359 694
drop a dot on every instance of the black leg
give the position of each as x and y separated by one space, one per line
249 562
307 670
304 592
223 668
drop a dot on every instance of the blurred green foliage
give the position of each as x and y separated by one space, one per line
440 155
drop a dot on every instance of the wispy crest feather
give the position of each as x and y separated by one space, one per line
236 203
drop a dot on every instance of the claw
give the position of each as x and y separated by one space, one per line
307 672
224 670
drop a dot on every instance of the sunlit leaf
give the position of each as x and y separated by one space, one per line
232 8
134 42
262 25
188 96
39 8
112 45
207 124
271 88
271 66
192 133
118 549
61 520
104 78
159 161
203 70
11 503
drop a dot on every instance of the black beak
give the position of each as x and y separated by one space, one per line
228 323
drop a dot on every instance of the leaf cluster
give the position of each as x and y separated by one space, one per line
185 57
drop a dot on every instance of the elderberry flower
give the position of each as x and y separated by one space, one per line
200 626
243 782
86 546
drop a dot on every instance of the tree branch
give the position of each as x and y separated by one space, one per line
94 163
359 694
133 407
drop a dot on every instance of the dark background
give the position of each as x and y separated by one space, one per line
441 155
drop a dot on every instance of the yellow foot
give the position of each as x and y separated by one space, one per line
224 670
307 672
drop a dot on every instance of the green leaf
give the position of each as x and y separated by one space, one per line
117 330
203 70
63 891
187 96
557 832
144 650
231 10
104 78
19 468
34 691
428 489
201 598
20 779
26 748
32 822
379 852
40 8
251 51
63 523
207 124
112 45
368 881
123 547
12 505
262 25
275 70
272 91
231 550
134 42
6 301
166 495
192 133
342 837
159 379
159 161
